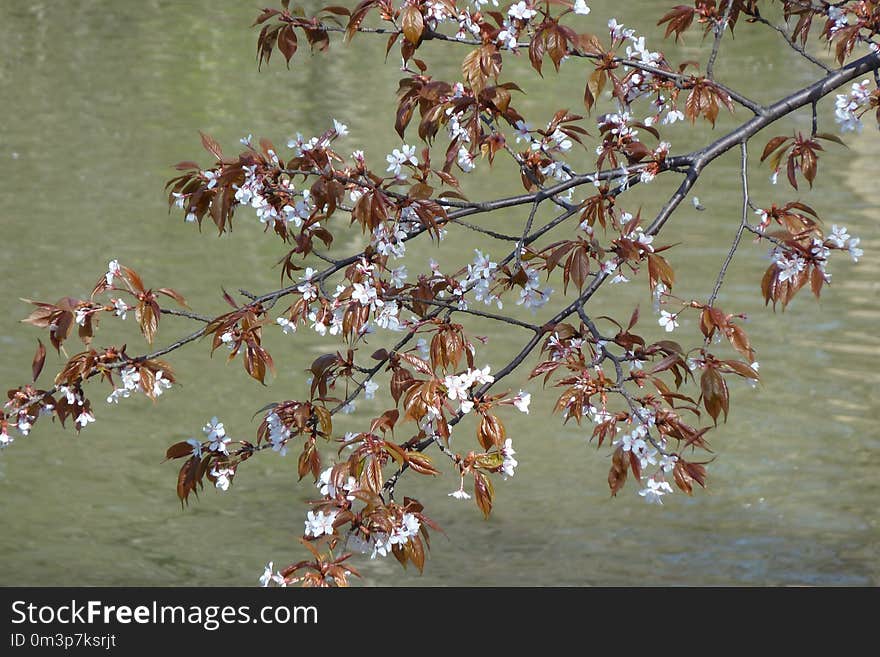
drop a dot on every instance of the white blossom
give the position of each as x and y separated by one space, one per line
302 145
456 386
216 434
789 267
381 545
320 523
672 116
329 490
160 384
197 447
507 467
838 236
523 130
398 276
521 11
114 397
266 577
668 321
633 442
71 394
617 30
530 296
466 160
24 425
278 433
120 307
460 494
131 378
854 251
113 269
580 7
399 157
407 529
846 106
211 177
480 376
286 325
522 401
83 419
365 294
222 477
655 490
667 463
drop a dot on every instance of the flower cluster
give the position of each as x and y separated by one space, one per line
279 433
328 489
320 523
481 277
401 534
458 386
132 381
847 106
531 296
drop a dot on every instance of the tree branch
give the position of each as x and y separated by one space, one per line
742 226
719 32
794 46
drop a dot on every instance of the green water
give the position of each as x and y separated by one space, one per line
99 98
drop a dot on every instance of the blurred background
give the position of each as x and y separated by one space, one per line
100 97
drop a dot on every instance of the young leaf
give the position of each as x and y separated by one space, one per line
39 360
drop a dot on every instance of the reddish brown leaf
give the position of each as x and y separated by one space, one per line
211 146
772 145
174 294
39 360
179 450
491 432
682 479
287 42
484 493
742 369
617 473
716 397
421 463
679 20
413 23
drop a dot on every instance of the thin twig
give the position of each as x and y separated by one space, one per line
467 311
719 32
188 315
528 227
798 49
742 226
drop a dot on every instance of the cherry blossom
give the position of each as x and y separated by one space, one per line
580 7
521 11
320 523
507 467
222 477
668 321
522 401
398 157
113 269
655 490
